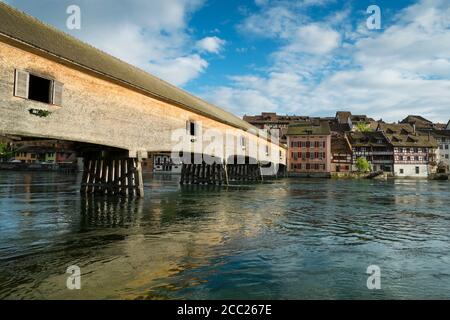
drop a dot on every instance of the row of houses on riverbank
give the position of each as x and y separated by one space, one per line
414 147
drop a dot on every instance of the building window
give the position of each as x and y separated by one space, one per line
402 171
417 170
33 87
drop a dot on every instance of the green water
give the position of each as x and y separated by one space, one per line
284 239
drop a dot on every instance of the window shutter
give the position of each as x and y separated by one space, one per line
21 85
188 127
57 93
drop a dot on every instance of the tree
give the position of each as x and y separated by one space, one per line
363 165
363 127
5 151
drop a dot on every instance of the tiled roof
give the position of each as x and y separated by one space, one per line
274 118
309 128
403 135
340 145
441 133
339 127
368 139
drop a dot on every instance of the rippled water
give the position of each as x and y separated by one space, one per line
285 239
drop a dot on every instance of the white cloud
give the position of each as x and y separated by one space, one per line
282 22
181 69
314 39
404 69
211 44
150 34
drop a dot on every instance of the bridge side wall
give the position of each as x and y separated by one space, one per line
94 110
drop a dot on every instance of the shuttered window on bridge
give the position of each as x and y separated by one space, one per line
30 86
57 93
21 84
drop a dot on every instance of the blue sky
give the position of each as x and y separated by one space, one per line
306 57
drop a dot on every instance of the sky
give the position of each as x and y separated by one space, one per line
305 57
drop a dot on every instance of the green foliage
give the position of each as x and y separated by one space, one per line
40 113
363 165
3 149
363 127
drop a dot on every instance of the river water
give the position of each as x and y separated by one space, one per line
283 239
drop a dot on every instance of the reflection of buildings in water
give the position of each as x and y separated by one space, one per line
171 235
407 192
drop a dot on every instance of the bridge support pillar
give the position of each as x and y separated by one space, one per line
244 172
218 174
211 174
112 176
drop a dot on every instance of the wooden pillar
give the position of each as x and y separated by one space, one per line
140 178
113 176
227 181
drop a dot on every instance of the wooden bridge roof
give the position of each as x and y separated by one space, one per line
53 43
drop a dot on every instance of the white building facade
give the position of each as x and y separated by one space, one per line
443 152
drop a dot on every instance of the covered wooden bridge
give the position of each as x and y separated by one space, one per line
55 86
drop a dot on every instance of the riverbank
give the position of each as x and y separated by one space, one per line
42 167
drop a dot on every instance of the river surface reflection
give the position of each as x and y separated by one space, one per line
284 239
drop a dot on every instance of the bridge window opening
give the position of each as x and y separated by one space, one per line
32 87
191 128
39 89
243 142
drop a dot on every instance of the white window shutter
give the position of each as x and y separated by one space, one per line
57 93
22 84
